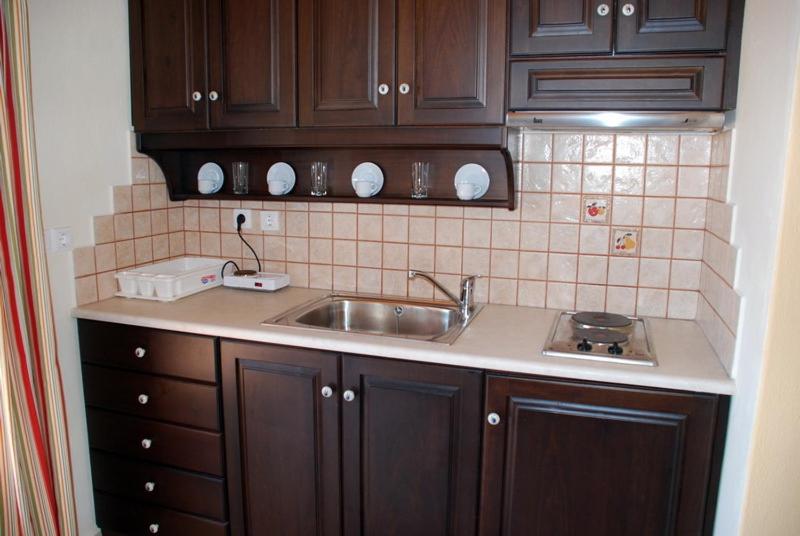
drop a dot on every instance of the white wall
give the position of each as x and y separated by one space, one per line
81 99
770 60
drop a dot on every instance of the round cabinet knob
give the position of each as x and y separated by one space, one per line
628 10
493 419
327 391
146 443
213 96
197 96
603 10
349 395
404 89
153 528
143 399
149 487
383 89
139 352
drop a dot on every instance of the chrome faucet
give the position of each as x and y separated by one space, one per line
466 303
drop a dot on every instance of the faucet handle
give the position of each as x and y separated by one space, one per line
470 279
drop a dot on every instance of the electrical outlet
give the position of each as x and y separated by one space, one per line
270 221
248 221
59 239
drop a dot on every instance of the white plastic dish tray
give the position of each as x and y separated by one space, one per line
170 280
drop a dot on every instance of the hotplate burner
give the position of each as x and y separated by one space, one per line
601 336
591 319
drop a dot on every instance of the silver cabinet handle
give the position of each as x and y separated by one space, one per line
603 10
349 395
493 419
143 399
153 528
197 96
383 89
146 443
327 391
149 487
628 10
139 352
213 96
404 89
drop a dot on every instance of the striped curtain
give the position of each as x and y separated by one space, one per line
35 473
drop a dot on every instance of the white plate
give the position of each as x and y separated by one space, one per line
367 172
281 172
476 175
210 178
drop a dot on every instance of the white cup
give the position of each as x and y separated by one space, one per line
277 187
364 188
205 186
466 191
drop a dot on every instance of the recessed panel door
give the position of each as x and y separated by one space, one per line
561 26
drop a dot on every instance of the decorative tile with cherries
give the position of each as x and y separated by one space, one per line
596 209
625 242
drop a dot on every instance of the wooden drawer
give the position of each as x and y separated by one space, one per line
165 352
135 519
172 488
672 83
191 404
186 448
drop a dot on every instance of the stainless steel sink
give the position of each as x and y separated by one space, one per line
378 315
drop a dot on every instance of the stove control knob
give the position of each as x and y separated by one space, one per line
615 349
584 346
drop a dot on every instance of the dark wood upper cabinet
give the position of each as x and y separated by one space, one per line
168 64
410 448
561 26
671 25
252 63
346 62
572 459
450 61
282 440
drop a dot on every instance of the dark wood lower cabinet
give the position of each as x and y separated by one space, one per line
410 448
569 458
282 440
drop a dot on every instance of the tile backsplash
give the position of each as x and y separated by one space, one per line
629 223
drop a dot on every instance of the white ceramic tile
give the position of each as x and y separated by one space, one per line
659 212
621 300
651 302
597 179
536 177
662 149
630 149
449 231
594 239
395 256
448 260
592 269
477 233
504 263
625 241
661 180
420 230
370 227
567 147
567 178
421 258
531 293
370 254
395 228
320 250
598 148
695 150
596 209
562 267
623 271
503 291
565 208
505 234
685 275
693 181
561 296
475 261
690 213
628 180
532 265
534 236
590 298
656 243
688 244
395 283
345 252
369 280
296 249
654 273
537 147
682 304
627 211
320 276
564 237
344 226
535 207
344 278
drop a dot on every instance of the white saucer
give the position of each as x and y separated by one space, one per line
474 174
368 172
210 178
283 172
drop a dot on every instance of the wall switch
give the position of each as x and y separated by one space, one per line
248 221
59 239
270 221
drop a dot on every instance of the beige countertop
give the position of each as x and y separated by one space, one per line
500 338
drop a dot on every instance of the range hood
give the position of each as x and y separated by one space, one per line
625 121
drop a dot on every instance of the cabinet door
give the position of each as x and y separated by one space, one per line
252 63
573 459
410 449
168 64
346 52
452 57
671 25
282 440
561 26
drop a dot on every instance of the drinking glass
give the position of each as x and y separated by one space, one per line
419 180
241 177
319 179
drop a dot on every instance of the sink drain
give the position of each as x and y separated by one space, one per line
399 310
